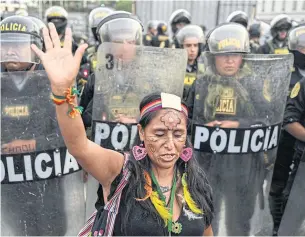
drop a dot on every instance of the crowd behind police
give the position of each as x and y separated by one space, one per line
285 36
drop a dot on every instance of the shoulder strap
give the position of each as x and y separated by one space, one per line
114 203
112 206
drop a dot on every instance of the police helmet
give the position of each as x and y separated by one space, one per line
120 26
152 25
17 35
179 16
280 23
162 28
238 17
39 22
96 16
255 30
59 16
228 38
296 38
21 12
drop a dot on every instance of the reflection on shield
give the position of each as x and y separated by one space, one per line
237 122
293 221
41 191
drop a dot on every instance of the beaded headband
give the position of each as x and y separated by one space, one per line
168 101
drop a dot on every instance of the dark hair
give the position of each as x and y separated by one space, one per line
196 178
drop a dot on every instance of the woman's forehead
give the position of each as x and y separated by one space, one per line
169 118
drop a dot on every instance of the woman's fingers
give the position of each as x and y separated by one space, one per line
47 40
79 53
68 39
38 52
54 35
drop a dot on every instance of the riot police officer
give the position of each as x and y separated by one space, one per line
279 27
177 21
26 208
118 27
282 179
151 32
222 97
161 39
239 17
13 59
59 16
254 34
192 39
95 17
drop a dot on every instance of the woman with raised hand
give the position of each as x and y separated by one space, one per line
166 193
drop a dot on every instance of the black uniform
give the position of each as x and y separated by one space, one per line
274 46
289 153
161 41
278 196
86 101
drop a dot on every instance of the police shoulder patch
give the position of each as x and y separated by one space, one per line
295 90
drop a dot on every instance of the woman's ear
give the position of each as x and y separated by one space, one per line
141 132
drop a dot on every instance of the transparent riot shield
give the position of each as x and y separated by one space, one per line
124 75
293 221
42 189
237 111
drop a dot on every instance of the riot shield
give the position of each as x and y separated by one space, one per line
42 189
124 75
238 108
293 220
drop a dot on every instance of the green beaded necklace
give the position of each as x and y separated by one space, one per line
174 227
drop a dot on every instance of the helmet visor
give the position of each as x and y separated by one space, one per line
16 47
121 31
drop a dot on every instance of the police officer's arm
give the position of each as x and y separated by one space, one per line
62 68
295 111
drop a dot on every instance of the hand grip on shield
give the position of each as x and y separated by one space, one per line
60 64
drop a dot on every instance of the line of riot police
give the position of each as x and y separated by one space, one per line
228 91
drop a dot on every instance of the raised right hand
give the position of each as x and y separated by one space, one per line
59 62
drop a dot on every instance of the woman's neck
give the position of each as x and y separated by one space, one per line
163 176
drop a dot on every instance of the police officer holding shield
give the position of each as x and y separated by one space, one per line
192 39
223 98
291 149
117 27
279 27
27 203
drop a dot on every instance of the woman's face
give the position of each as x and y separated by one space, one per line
164 137
229 64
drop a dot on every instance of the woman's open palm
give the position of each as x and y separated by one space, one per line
59 62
